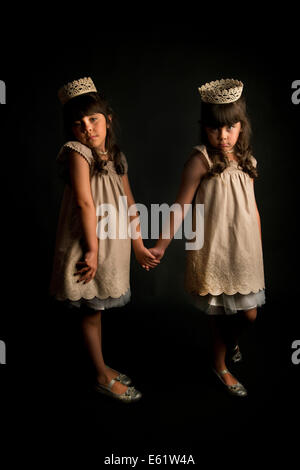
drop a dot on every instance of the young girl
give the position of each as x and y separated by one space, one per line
90 270
225 277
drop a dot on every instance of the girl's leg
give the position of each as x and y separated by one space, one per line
110 372
251 314
219 340
238 324
91 328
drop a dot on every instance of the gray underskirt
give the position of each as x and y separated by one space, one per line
228 304
101 304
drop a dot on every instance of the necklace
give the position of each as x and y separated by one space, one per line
102 153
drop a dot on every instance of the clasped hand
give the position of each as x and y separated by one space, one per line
149 258
87 269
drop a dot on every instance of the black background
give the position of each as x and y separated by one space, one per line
150 75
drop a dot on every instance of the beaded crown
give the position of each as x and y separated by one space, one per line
226 90
76 88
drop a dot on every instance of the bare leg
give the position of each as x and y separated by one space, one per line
219 347
251 314
238 324
110 372
91 327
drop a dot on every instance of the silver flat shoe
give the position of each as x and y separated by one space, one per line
129 396
237 389
124 379
236 354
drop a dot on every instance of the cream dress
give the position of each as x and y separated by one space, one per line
110 286
227 273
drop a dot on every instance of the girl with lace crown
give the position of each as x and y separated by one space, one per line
225 277
90 269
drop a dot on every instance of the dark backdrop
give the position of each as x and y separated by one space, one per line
150 76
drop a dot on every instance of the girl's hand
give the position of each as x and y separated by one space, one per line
88 267
145 258
157 252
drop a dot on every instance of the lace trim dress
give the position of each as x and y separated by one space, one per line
227 273
111 284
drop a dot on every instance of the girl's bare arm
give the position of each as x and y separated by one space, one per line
193 172
257 213
142 254
80 181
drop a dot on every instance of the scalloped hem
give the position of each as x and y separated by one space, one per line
228 304
100 304
215 294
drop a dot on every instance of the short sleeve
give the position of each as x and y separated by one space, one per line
82 149
205 157
253 161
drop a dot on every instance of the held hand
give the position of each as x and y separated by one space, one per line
157 252
145 258
87 268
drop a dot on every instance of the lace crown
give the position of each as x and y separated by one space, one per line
226 90
76 88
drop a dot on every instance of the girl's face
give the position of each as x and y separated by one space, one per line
224 138
91 131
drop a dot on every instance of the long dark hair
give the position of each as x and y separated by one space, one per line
86 105
219 115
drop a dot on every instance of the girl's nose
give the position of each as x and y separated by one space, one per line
222 134
86 126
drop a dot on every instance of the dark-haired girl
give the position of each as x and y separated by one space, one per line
91 268
225 277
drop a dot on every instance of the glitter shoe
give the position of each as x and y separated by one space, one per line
124 379
236 354
129 396
237 389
